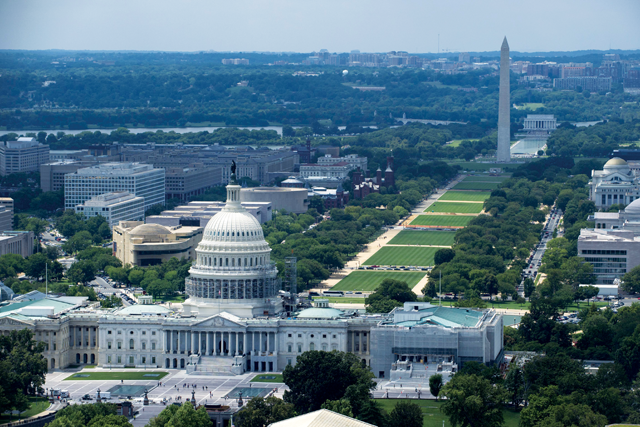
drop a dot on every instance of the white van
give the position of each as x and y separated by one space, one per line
64 394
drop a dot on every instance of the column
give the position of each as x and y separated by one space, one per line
369 342
215 343
206 342
237 352
360 341
244 343
193 342
268 345
275 344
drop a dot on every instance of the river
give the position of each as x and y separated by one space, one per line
142 130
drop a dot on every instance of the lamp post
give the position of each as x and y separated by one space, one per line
145 402
98 398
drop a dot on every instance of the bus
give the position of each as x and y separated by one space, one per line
333 293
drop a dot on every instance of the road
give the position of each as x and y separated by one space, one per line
547 234
102 286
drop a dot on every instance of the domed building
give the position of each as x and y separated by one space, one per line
233 271
615 184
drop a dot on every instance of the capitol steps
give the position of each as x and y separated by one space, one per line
212 365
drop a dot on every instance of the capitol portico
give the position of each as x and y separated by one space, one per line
233 320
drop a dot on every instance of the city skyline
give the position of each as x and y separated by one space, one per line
367 26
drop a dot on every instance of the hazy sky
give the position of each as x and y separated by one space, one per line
307 25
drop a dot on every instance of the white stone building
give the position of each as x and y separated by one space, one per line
24 155
617 183
136 178
114 207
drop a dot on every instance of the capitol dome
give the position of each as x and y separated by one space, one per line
633 207
233 271
617 165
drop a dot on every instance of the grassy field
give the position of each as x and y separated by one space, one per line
452 207
513 305
456 142
465 196
432 417
484 178
105 376
402 255
479 167
36 405
268 378
419 237
442 220
484 186
369 280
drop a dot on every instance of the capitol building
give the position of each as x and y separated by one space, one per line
233 320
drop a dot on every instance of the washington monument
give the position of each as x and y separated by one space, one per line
504 117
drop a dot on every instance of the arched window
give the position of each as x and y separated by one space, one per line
131 344
144 345
312 346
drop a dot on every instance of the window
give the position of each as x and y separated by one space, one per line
312 346
299 335
289 335
144 345
131 333
119 359
108 359
311 335
153 346
119 332
130 344
299 348
324 335
153 359
119 345
108 332
289 348
131 360
144 332
144 360
334 336
109 345
153 332
289 362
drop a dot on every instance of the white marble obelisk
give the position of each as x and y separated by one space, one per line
504 116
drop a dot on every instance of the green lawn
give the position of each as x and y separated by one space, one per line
268 378
175 298
442 220
465 196
432 417
452 207
477 166
105 376
485 178
369 280
423 237
37 405
456 142
403 255
485 186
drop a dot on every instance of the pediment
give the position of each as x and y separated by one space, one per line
4 321
223 320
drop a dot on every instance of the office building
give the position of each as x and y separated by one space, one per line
114 207
351 159
23 155
139 244
185 182
139 179
586 83
292 200
17 242
7 202
6 219
52 173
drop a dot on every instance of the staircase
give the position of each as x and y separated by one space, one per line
216 365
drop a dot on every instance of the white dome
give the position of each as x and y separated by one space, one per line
633 207
233 226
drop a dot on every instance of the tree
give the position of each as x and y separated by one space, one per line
259 412
405 414
79 241
82 272
342 406
183 416
36 265
435 385
631 280
136 276
570 415
443 255
110 421
319 376
389 294
515 385
22 369
473 401
529 287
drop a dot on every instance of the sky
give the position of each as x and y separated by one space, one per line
310 25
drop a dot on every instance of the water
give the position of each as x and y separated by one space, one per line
247 392
278 129
509 319
527 146
128 390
